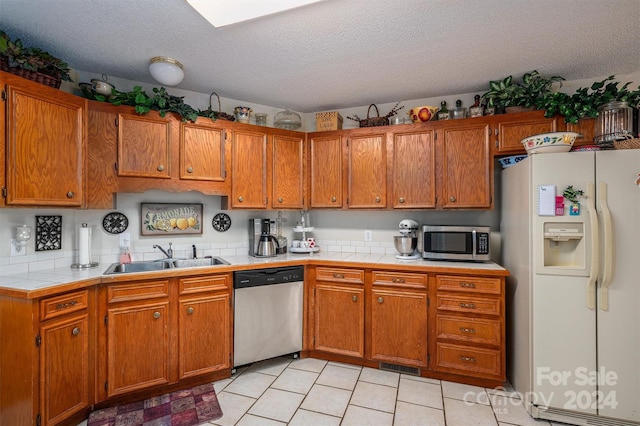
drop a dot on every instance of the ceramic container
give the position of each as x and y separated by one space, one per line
550 142
242 114
422 114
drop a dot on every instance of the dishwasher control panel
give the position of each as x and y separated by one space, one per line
259 277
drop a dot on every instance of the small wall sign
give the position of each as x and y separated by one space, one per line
163 219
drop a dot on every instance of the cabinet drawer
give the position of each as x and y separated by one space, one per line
469 284
473 330
399 279
354 276
137 291
52 307
468 304
466 360
202 284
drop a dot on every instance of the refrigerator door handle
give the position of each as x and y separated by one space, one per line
595 247
607 234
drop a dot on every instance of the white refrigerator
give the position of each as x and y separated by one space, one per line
573 297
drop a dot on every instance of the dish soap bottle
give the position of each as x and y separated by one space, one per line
125 256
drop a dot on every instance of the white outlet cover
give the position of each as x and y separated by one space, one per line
125 240
368 235
14 252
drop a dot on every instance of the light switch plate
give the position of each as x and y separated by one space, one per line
368 235
125 240
14 252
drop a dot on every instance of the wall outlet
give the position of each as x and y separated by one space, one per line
15 252
125 240
368 235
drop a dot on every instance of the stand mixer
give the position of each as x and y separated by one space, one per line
407 242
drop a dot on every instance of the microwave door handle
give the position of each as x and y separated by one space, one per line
607 234
595 254
473 244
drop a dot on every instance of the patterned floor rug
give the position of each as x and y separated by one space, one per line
181 408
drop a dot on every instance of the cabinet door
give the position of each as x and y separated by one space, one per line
204 334
367 180
137 347
144 146
202 152
339 319
586 127
288 173
326 171
399 326
64 368
467 169
45 147
249 170
511 131
414 170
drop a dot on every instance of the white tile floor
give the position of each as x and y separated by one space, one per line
313 392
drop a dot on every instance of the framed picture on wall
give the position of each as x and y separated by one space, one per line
177 219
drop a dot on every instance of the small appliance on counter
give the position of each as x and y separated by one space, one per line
407 242
462 243
261 242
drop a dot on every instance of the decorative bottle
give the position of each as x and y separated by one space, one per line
459 111
443 114
475 110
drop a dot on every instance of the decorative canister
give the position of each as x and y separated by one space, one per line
242 114
615 122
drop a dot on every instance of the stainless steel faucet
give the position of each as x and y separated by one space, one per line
168 253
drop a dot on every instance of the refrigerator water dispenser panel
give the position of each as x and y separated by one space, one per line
564 249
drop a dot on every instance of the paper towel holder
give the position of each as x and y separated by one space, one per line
23 234
84 246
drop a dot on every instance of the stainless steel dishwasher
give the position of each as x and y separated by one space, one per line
267 313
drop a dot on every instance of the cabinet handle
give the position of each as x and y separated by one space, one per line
468 305
71 194
401 200
75 331
467 358
452 199
380 299
280 199
336 275
241 198
190 310
354 298
189 169
377 199
66 305
398 280
333 199
160 168
468 285
156 314
467 330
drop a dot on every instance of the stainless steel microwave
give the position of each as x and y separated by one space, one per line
466 243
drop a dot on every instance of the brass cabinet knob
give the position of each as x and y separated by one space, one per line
333 199
378 199
71 194
241 198
452 199
189 169
401 200
398 280
354 298
160 168
156 314
75 331
337 275
190 310
380 300
280 199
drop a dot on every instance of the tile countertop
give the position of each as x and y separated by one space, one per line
35 284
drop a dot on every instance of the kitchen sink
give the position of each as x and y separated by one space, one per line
161 264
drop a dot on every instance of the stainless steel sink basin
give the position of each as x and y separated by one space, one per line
159 265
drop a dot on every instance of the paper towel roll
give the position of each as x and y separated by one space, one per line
84 246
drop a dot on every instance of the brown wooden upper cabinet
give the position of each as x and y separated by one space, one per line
511 129
45 145
467 166
326 172
414 170
287 177
367 171
202 152
249 170
144 146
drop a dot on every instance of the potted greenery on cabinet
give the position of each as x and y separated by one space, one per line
512 96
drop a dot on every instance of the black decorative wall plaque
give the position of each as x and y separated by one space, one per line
48 233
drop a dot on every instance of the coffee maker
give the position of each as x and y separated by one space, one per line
261 242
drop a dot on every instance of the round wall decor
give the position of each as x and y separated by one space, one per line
221 222
115 223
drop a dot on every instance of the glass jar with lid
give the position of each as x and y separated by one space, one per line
614 122
287 120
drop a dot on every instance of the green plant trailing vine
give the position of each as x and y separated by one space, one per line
585 101
508 92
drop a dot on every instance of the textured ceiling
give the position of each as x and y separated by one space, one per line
338 53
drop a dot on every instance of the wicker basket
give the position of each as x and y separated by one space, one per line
328 121
374 121
38 77
627 144
219 114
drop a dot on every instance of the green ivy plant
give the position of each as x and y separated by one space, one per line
32 58
527 93
585 101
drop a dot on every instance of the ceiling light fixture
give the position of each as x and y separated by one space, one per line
225 12
166 71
